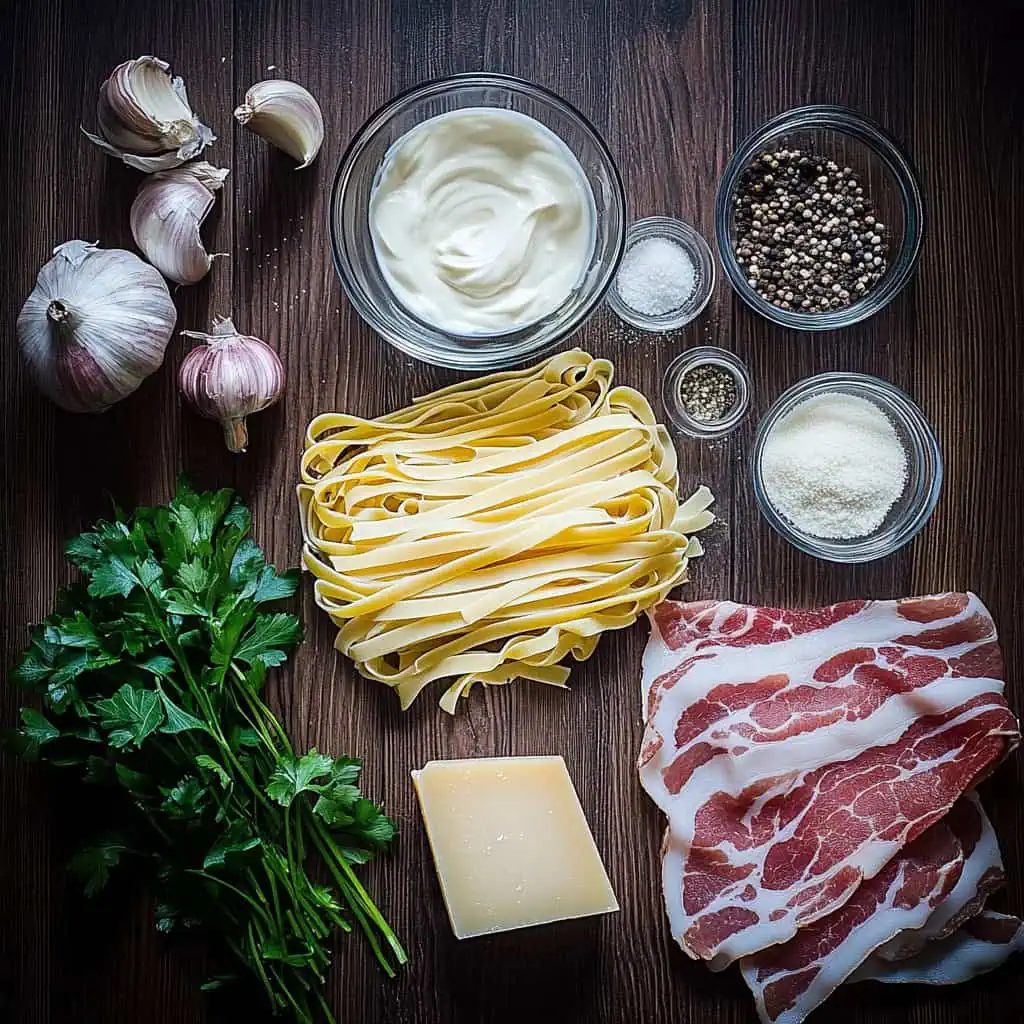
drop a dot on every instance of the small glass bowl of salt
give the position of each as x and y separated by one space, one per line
666 276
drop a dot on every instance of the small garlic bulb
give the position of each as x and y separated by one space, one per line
229 377
287 116
145 119
166 216
95 326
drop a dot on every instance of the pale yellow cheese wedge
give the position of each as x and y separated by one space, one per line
511 844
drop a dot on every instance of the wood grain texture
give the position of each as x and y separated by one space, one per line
673 85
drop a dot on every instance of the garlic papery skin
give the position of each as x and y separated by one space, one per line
145 119
166 216
287 116
230 376
95 326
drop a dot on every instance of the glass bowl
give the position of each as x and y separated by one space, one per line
924 468
705 430
887 177
352 244
693 244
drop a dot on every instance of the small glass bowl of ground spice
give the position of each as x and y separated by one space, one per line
846 467
819 218
666 276
706 392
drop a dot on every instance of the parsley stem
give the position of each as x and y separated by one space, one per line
256 966
325 1007
224 883
200 696
351 887
167 641
255 958
263 712
273 894
302 1013
288 840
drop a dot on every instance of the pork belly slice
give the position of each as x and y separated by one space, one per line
982 875
980 945
796 753
791 980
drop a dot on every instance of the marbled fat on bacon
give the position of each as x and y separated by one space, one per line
982 875
980 945
790 980
795 753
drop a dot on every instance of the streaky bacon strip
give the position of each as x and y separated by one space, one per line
980 945
795 753
982 875
790 980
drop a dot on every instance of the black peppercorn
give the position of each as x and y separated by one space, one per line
817 219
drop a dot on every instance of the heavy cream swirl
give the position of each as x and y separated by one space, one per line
482 221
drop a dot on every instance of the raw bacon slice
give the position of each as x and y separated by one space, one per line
982 875
796 752
790 980
981 945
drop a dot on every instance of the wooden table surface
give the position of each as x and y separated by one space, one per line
673 85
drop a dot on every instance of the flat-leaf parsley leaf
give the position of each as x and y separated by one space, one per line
150 674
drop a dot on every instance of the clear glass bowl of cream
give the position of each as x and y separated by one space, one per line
477 221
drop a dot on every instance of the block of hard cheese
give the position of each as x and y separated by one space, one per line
511 844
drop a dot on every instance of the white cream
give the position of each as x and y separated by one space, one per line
482 221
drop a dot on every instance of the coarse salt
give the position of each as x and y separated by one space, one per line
834 466
656 276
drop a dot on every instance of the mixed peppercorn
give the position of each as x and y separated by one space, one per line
807 237
708 392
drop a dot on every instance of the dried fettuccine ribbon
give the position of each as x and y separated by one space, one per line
492 528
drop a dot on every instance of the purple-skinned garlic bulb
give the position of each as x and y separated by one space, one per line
229 377
95 326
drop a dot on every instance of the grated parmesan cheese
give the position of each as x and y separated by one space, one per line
834 466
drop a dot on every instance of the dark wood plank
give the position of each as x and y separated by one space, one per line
69 960
915 69
672 85
790 54
970 366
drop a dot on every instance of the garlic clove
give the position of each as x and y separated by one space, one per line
166 216
229 377
287 116
95 326
145 119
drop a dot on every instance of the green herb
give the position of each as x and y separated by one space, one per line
150 672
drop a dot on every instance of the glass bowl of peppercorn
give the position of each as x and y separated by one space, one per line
819 218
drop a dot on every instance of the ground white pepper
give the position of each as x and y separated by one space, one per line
806 234
708 392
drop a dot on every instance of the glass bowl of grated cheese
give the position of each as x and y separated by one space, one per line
846 467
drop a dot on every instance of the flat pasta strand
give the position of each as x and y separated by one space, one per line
494 528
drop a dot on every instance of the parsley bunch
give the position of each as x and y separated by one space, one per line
150 672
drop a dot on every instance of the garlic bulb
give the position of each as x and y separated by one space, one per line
145 119
287 116
166 216
229 377
95 326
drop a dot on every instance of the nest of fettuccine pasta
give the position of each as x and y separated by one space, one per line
494 527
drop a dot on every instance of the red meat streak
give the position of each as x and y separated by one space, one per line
841 808
930 868
781 709
681 624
